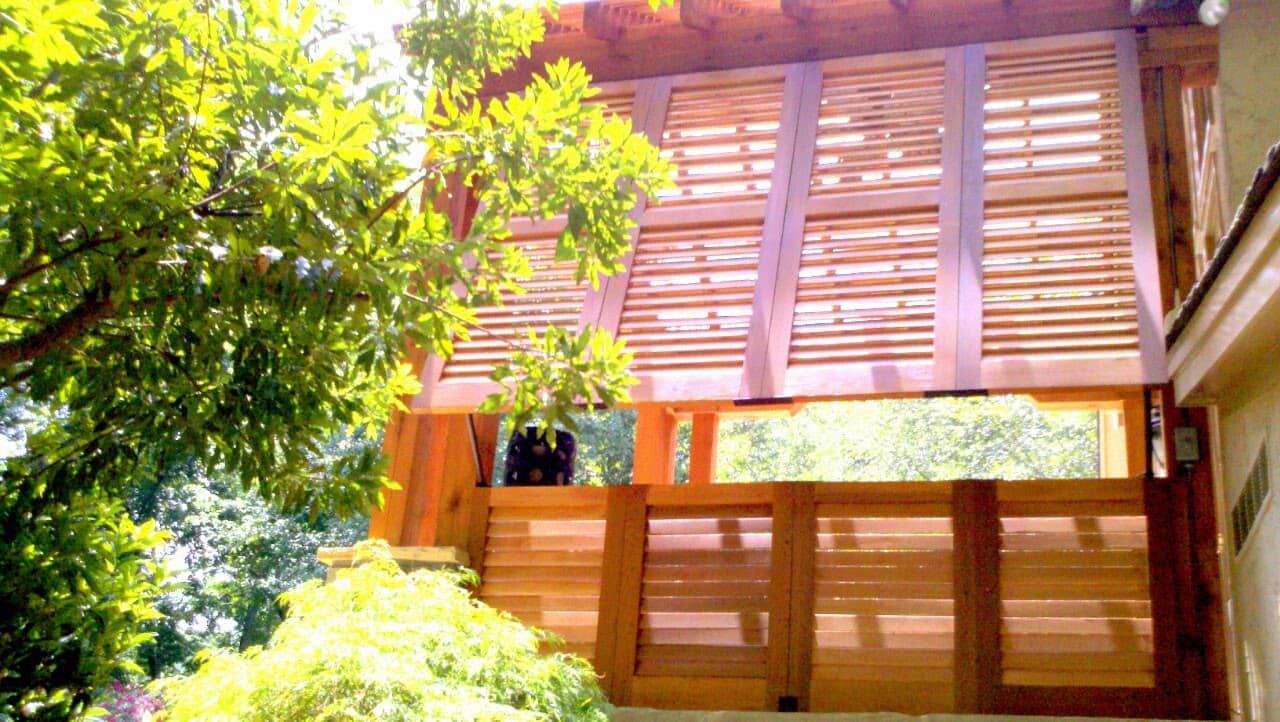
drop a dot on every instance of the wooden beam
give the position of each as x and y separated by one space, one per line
768 37
601 22
655 450
630 577
702 448
487 430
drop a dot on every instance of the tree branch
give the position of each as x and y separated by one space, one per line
95 307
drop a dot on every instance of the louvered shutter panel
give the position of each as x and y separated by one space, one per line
883 603
552 295
867 277
704 600
1058 269
1075 597
689 293
543 561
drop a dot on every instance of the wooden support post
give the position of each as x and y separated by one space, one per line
976 529
655 452
397 445
779 650
425 481
702 448
804 542
1201 637
1170 180
1135 436
1158 502
630 572
453 463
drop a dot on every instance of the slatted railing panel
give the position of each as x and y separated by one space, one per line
1074 584
879 126
704 600
866 289
688 304
551 297
883 606
1058 269
721 134
543 561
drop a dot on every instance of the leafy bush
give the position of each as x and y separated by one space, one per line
379 644
78 584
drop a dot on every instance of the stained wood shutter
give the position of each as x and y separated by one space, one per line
552 296
1058 269
866 283
1075 599
543 558
883 605
688 295
704 600
967 218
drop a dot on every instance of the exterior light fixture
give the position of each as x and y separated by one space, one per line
1212 12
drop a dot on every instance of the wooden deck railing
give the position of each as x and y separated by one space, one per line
1035 597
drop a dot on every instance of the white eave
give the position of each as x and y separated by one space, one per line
1232 341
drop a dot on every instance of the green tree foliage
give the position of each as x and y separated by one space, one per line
1003 437
232 556
212 247
379 644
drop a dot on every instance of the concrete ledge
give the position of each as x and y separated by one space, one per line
409 558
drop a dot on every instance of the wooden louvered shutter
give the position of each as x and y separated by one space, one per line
1058 273
689 292
543 560
552 297
1075 599
704 600
865 287
883 591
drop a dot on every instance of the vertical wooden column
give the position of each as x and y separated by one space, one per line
1162 560
804 542
1201 636
655 452
1135 436
1170 178
702 448
619 625
976 529
780 559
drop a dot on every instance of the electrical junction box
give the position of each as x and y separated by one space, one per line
1186 445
